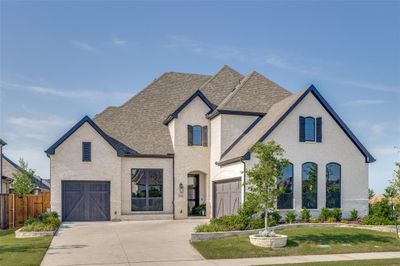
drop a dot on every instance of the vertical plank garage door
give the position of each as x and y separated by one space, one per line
227 197
85 201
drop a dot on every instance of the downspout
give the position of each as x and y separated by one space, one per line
173 187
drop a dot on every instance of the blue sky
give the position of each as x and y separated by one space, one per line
63 60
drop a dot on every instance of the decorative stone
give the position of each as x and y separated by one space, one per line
24 234
278 241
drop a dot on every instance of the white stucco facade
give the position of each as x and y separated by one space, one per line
222 131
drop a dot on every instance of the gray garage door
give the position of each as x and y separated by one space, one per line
227 197
85 201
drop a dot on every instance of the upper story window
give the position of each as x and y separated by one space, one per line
310 129
197 135
86 151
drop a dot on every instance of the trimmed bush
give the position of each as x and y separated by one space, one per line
290 216
344 221
381 209
231 223
314 220
331 220
376 220
337 214
47 221
274 218
354 215
305 215
325 214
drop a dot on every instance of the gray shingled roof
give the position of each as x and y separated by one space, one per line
255 93
273 115
139 122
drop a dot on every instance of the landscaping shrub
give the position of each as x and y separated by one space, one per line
344 221
314 220
354 215
325 214
305 215
231 223
337 214
376 220
274 218
331 220
248 208
381 209
290 216
47 221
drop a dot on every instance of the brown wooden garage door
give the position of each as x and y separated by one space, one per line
227 197
85 201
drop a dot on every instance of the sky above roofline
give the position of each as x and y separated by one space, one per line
55 69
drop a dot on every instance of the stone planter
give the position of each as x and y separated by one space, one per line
24 234
277 241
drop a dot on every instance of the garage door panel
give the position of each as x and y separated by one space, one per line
85 201
227 197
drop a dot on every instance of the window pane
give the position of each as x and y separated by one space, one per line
309 185
285 200
333 189
309 129
197 134
147 189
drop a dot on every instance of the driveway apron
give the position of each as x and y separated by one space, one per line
123 243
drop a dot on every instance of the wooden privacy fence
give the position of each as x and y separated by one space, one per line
21 208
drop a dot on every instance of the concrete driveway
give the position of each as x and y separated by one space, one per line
123 243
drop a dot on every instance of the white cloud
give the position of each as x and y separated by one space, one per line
117 41
364 102
38 124
385 151
84 46
367 85
80 94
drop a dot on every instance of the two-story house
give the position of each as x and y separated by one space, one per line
181 145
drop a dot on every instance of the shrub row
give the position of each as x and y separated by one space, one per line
48 221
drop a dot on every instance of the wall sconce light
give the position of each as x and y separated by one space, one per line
181 188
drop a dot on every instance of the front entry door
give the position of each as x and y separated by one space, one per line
193 193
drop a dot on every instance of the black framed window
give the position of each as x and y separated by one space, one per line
309 129
147 189
285 200
197 135
309 177
333 185
86 151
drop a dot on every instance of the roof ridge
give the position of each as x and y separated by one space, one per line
216 74
242 82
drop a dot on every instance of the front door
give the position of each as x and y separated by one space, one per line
193 194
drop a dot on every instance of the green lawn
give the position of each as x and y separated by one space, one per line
387 262
22 251
303 241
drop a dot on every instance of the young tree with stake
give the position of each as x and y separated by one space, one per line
263 179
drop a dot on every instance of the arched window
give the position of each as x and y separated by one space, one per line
333 185
197 135
309 177
285 200
309 129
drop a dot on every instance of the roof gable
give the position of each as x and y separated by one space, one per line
276 115
119 147
199 94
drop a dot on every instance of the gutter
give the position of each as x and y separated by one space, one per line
173 188
244 180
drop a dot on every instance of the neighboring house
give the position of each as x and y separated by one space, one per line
4 181
10 168
184 141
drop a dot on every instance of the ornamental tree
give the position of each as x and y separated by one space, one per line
264 178
23 180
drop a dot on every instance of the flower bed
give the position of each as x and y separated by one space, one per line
44 224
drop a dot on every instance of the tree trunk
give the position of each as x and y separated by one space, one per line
266 220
